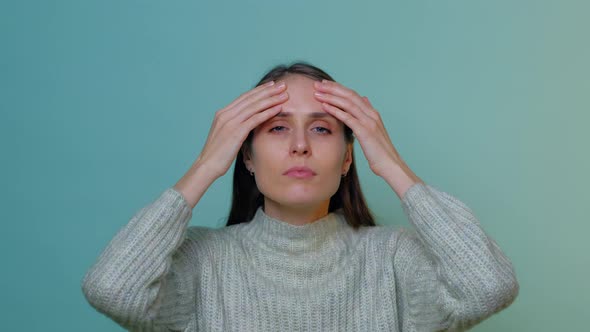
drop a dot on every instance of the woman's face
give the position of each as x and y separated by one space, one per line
302 135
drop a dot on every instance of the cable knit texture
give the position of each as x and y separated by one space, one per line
445 273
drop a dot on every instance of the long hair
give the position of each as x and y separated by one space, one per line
246 198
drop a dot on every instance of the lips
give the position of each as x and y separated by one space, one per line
300 172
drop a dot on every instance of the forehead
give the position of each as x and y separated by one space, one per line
301 99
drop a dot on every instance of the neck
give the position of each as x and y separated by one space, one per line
296 214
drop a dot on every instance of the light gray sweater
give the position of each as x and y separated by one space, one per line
159 274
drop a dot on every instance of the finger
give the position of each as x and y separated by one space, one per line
248 94
372 112
255 103
344 104
349 120
247 102
258 118
257 106
338 89
334 88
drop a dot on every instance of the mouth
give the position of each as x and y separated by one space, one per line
300 172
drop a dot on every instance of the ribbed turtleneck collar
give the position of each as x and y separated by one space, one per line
315 238
297 258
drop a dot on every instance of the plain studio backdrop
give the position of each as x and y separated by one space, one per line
105 104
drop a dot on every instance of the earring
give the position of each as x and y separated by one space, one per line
251 173
344 174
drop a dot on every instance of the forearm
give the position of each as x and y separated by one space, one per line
195 182
125 280
454 263
400 178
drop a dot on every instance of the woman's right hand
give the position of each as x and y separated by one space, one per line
233 123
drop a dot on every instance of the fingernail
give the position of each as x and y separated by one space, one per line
270 83
282 84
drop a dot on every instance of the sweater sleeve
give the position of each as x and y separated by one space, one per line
451 275
142 280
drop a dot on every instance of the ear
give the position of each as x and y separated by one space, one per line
247 158
347 158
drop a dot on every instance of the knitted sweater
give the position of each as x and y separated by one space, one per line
445 273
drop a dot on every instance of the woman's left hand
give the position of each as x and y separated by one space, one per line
359 115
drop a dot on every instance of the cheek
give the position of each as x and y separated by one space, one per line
332 152
267 158
259 147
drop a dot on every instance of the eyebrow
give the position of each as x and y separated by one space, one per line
315 115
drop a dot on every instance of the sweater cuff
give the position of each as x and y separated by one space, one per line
416 190
176 195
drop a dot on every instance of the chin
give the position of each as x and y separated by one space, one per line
299 198
302 201
298 194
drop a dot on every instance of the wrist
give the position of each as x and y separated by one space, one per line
205 170
195 182
400 178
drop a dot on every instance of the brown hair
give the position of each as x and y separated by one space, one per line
246 198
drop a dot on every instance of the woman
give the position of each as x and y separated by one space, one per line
300 250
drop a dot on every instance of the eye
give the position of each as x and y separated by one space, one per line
323 130
277 128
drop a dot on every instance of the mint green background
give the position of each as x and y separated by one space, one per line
105 104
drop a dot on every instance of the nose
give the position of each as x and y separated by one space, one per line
300 145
